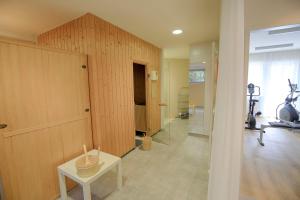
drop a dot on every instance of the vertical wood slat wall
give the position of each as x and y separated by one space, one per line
44 94
111 52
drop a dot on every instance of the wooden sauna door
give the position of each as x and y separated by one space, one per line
44 100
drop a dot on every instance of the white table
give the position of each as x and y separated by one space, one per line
68 169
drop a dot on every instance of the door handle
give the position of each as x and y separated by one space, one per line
2 126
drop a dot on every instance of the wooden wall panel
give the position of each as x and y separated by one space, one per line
44 94
111 52
22 68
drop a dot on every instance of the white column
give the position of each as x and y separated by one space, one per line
227 137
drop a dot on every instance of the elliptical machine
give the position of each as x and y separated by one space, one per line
251 118
288 115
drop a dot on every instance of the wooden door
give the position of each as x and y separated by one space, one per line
44 100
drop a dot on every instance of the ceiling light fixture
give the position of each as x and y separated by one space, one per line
204 62
177 32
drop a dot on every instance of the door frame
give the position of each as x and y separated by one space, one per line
147 84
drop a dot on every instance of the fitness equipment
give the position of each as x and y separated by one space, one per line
251 118
288 115
289 112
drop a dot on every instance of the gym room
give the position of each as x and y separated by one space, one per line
271 163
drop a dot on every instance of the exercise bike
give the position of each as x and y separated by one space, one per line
251 118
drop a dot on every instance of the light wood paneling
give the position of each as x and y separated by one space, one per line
44 94
140 118
111 53
18 66
14 40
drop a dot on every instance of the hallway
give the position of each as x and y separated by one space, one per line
175 171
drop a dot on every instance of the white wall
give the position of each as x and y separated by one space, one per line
260 14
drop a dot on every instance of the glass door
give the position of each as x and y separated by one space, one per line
164 135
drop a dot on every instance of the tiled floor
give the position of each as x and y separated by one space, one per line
167 172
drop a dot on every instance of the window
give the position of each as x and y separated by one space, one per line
197 75
271 71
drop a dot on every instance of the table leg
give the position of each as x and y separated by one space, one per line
120 175
62 186
86 192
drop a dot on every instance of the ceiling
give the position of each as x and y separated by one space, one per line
275 37
151 20
177 52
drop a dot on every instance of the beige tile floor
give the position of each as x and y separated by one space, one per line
166 172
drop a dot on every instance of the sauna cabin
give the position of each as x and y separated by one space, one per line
60 92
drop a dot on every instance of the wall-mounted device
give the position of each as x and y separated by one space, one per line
153 75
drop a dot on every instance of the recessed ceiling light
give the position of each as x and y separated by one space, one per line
177 32
203 62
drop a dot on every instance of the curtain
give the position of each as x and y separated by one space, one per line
271 72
